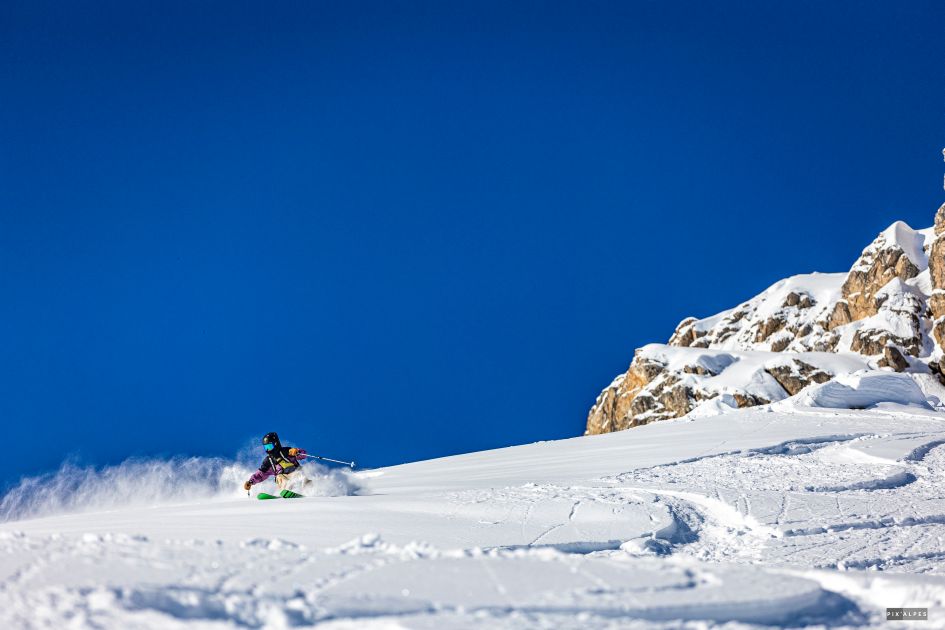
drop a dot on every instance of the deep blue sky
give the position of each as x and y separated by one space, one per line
394 231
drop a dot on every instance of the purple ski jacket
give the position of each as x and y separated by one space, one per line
276 463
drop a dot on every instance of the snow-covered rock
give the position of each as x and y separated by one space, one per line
897 253
864 390
937 278
791 310
667 382
887 312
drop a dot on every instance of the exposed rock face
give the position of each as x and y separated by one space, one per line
898 323
749 400
937 278
893 358
666 382
798 300
884 260
769 327
937 303
797 375
889 309
685 333
612 410
783 317
840 316
938 369
608 408
646 392
937 263
937 267
938 332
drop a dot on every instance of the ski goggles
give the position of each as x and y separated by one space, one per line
269 447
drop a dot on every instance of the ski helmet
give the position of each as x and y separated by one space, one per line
271 438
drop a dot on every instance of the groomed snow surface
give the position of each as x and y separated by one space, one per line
800 514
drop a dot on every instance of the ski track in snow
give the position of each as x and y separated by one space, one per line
823 529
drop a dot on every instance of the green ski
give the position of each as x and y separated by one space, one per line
285 494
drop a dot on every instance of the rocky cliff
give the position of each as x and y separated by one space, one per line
886 313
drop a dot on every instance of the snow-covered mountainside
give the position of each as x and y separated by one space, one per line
886 313
799 513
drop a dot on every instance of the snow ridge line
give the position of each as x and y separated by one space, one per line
891 561
895 480
798 446
918 454
910 521
803 446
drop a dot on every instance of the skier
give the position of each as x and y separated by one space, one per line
281 461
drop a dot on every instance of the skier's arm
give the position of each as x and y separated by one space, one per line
297 452
259 476
265 471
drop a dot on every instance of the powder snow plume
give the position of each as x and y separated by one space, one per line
144 482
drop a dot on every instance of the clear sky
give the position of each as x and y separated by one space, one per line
397 230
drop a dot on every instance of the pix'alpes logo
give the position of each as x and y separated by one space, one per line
907 614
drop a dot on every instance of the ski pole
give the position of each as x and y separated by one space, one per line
328 459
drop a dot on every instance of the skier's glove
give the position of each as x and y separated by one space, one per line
293 452
247 486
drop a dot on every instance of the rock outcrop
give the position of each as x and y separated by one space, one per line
612 409
783 317
937 278
797 375
666 382
884 260
888 310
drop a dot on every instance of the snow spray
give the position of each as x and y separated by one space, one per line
145 482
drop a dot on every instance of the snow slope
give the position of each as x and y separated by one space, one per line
787 514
